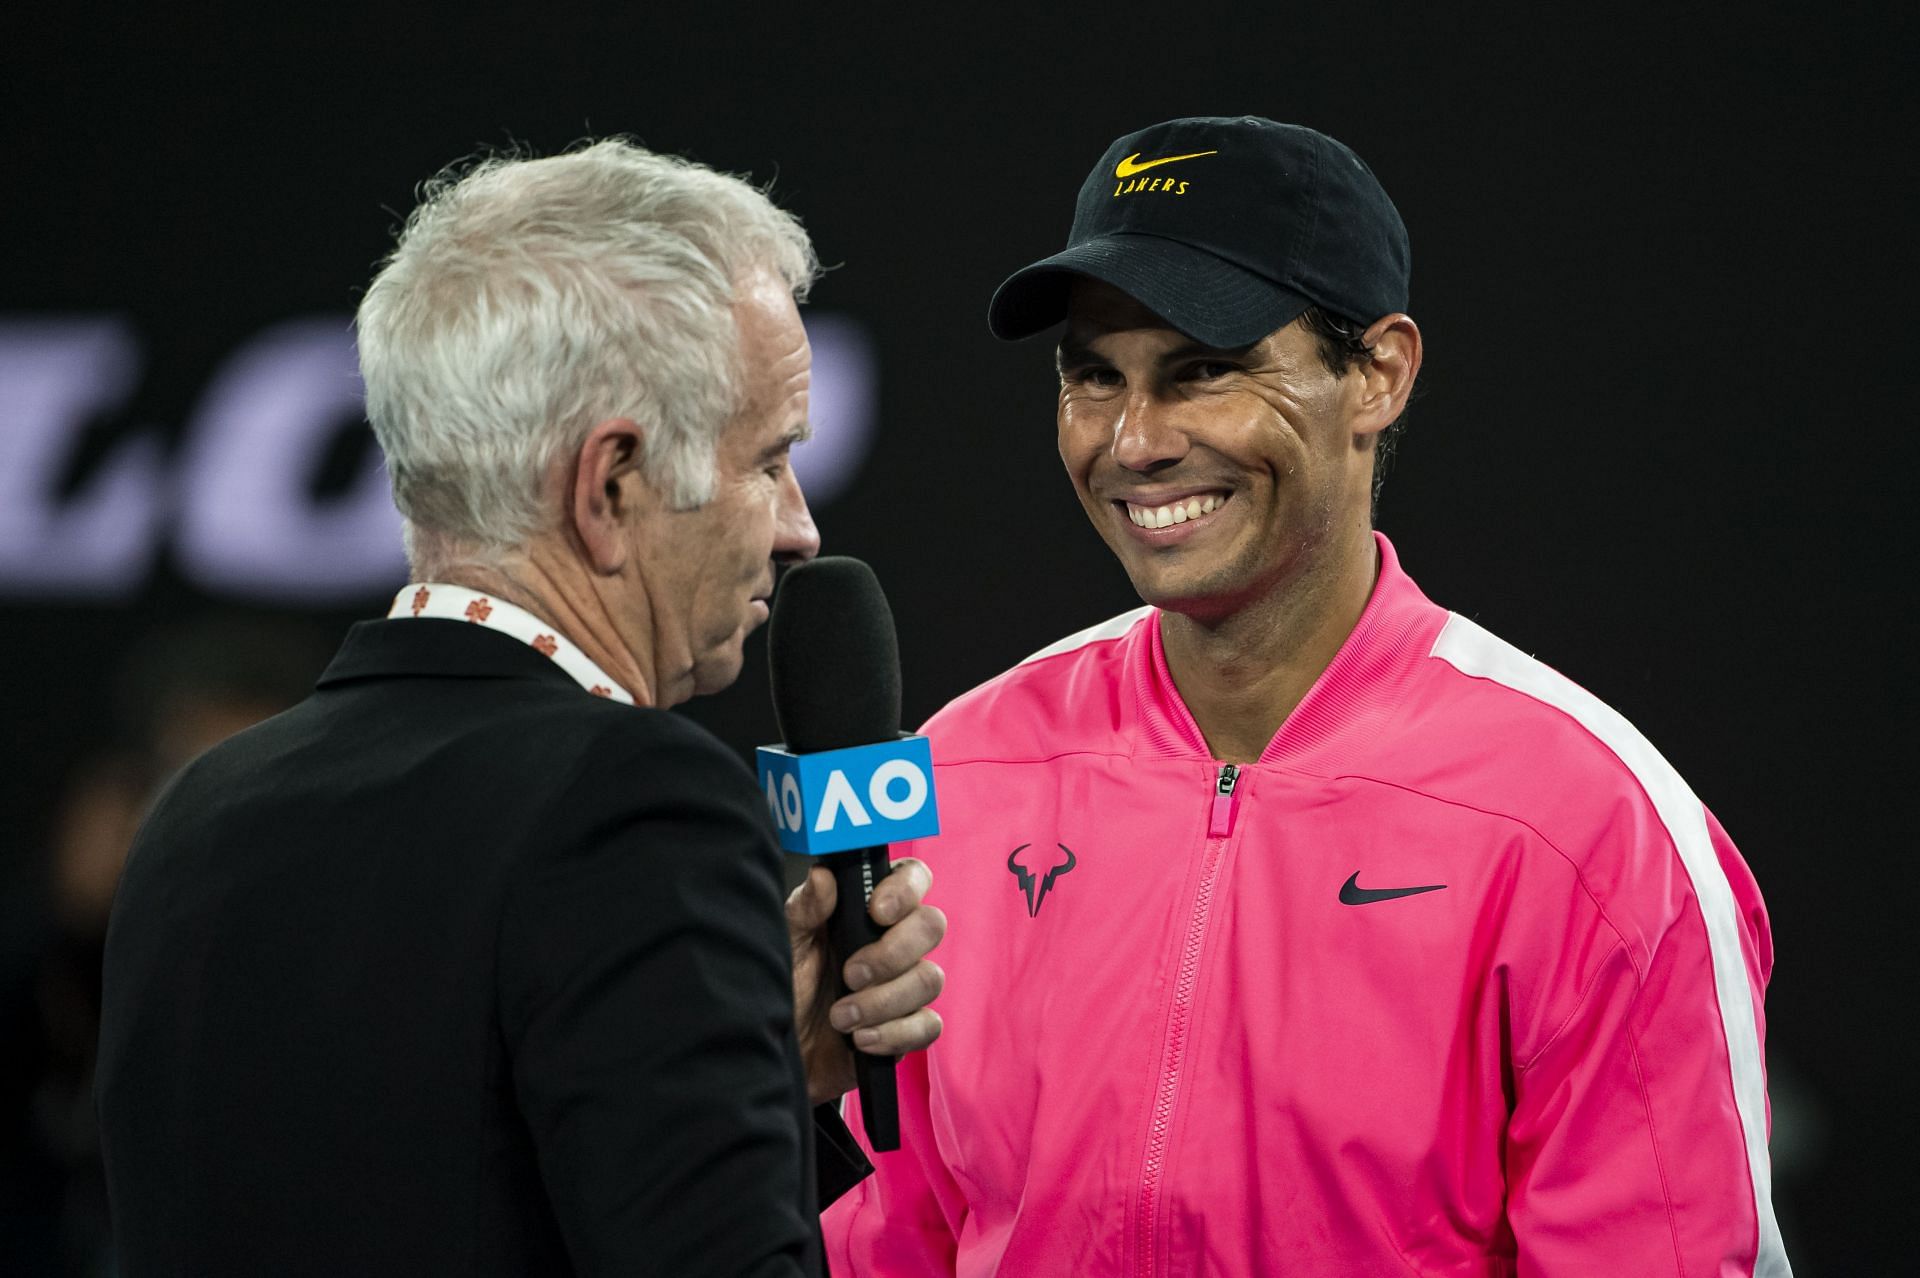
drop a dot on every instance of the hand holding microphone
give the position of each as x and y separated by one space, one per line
844 785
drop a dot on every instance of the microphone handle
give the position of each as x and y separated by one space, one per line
855 875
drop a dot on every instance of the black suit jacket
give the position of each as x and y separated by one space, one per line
457 969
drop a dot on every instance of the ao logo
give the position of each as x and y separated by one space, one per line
234 495
837 800
840 800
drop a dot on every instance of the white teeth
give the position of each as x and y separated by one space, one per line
1174 512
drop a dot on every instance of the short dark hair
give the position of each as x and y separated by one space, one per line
1343 347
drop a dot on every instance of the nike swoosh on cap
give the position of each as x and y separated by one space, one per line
1127 167
1351 893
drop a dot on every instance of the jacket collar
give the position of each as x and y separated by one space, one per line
1354 697
430 648
450 602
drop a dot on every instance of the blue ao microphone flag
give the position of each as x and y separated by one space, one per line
845 783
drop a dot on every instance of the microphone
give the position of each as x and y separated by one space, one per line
846 782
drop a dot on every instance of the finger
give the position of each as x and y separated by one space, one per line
811 904
893 1000
897 950
896 895
896 1038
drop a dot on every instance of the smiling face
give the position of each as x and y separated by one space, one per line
709 571
1220 478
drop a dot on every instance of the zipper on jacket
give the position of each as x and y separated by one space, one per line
1220 824
1219 827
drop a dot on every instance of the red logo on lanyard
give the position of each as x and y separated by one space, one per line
479 609
420 598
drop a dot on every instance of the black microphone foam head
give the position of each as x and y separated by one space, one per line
834 658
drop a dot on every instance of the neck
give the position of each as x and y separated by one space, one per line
1242 675
550 586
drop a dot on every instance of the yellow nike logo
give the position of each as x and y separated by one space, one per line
1127 168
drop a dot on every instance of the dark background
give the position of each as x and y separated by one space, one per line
1662 260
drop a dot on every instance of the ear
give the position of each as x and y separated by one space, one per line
1387 380
607 492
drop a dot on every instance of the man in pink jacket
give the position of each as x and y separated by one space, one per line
1299 925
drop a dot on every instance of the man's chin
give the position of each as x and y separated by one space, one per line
1201 596
1165 585
717 669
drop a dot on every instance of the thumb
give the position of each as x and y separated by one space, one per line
811 904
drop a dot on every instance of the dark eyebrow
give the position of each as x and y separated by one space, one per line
1200 350
1074 352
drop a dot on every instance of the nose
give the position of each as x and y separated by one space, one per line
795 539
1145 439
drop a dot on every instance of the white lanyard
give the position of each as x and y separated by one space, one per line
457 603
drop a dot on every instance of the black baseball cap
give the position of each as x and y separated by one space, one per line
1225 227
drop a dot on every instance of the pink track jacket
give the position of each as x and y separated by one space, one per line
1459 978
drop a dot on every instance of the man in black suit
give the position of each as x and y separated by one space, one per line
472 962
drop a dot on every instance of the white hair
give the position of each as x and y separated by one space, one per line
528 300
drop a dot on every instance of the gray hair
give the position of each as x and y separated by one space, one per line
528 300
